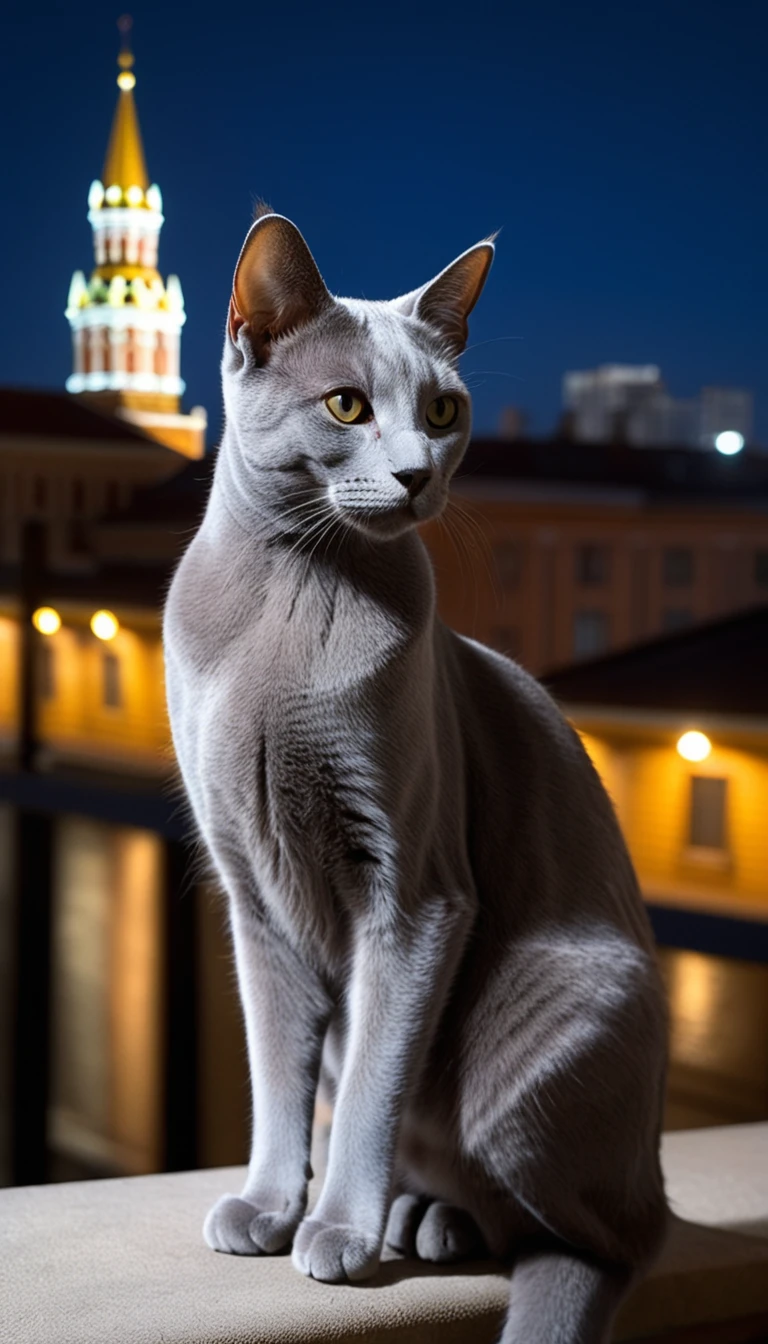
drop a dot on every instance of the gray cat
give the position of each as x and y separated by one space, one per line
430 898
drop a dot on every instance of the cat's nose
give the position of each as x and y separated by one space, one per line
414 481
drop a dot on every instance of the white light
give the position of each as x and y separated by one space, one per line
134 195
729 442
154 197
104 624
47 620
694 746
96 195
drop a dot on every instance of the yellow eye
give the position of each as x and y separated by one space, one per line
442 412
348 406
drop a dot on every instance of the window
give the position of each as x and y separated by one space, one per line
590 633
112 497
47 670
593 564
508 556
761 568
78 496
506 639
676 618
707 815
677 566
111 690
40 492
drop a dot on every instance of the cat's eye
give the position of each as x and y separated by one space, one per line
348 406
442 412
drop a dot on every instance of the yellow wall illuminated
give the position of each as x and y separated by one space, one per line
650 785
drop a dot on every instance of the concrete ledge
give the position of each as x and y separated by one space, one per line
122 1262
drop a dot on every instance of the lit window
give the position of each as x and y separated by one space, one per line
590 633
678 566
46 654
676 618
707 815
593 564
508 556
761 568
111 689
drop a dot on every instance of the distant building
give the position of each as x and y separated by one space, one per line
618 403
693 813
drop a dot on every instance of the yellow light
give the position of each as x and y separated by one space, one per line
46 620
694 746
134 195
114 194
104 624
126 79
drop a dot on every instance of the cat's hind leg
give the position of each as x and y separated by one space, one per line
433 1230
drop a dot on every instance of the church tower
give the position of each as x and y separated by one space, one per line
126 322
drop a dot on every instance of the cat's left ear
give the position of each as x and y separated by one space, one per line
446 302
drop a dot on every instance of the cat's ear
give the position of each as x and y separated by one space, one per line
446 302
277 286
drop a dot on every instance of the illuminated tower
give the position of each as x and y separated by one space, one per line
126 323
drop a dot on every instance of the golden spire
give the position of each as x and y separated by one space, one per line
124 165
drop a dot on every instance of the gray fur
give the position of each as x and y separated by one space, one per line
429 894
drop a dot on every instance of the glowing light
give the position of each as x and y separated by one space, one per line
46 620
154 197
730 441
134 195
114 194
694 746
126 80
95 195
104 624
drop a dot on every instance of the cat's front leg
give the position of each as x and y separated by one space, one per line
402 971
286 1013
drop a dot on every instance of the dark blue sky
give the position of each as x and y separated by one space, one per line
621 147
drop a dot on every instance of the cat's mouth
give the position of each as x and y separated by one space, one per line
389 520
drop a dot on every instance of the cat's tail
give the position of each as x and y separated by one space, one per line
557 1298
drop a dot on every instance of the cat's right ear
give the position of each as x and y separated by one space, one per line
277 286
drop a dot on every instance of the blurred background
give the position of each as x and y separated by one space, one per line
609 527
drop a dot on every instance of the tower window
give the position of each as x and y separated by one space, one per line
111 683
676 618
706 826
40 492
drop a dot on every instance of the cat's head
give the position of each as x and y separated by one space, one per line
345 409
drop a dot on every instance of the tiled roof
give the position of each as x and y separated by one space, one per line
58 415
717 668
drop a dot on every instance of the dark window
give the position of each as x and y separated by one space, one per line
707 819
508 556
47 670
78 496
761 568
112 496
676 618
112 695
678 566
590 633
40 492
593 564
506 639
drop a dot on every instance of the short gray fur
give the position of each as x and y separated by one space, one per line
430 899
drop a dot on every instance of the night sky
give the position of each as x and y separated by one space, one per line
620 147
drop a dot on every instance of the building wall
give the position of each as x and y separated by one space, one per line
650 785
515 572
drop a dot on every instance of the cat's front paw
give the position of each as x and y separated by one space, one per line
334 1253
238 1227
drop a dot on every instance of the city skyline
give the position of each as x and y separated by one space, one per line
629 235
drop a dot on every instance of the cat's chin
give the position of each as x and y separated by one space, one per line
385 526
